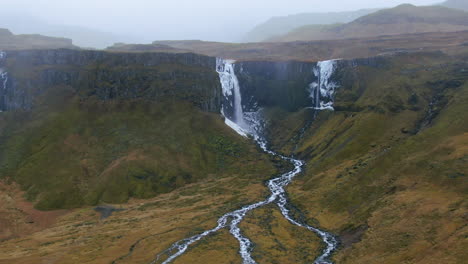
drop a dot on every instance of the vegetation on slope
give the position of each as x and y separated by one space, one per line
97 152
103 128
387 170
403 19
277 26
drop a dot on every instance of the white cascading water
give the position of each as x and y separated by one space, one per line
250 124
231 88
3 79
323 90
3 73
3 76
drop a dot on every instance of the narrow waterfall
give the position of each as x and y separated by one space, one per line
249 124
3 81
232 101
322 92
3 73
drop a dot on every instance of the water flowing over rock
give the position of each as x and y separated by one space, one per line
232 101
323 90
3 82
250 124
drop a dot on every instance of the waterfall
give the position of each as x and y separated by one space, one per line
3 82
323 90
251 124
232 99
3 73
3 79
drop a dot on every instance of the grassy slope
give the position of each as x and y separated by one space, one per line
150 224
393 195
281 25
90 152
401 195
404 19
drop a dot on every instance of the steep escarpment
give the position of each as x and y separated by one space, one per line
85 127
275 84
385 148
385 163
386 169
109 76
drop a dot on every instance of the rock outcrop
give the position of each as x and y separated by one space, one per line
108 76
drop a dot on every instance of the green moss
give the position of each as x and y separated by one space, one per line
358 156
94 151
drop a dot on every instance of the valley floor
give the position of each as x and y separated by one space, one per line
147 227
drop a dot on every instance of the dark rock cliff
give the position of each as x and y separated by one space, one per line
286 84
107 76
275 84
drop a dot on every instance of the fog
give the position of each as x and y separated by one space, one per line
143 21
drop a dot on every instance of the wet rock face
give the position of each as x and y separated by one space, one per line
280 84
87 57
108 76
288 84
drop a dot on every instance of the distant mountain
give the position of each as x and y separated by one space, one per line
9 41
403 19
281 25
81 36
458 4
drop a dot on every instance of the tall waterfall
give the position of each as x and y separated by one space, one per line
3 73
3 81
232 99
322 92
249 124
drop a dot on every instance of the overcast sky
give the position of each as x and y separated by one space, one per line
223 20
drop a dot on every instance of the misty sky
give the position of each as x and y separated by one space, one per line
222 20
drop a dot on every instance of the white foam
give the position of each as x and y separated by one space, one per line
230 87
322 92
252 124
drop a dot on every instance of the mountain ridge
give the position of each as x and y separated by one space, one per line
403 19
458 4
283 24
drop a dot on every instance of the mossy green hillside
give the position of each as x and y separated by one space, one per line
387 170
94 151
85 127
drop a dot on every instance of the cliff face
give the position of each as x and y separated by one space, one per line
156 76
288 84
275 84
395 143
108 76
84 127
